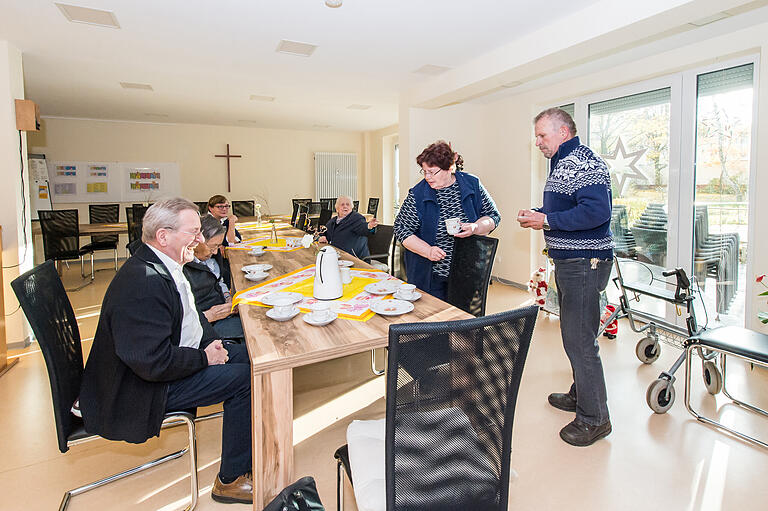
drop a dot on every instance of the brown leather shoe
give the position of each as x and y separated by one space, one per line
239 490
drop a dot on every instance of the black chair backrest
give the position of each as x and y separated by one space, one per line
104 214
243 208
139 210
203 207
131 226
449 426
47 308
325 216
356 205
300 201
315 208
61 233
470 273
397 269
373 206
329 204
381 241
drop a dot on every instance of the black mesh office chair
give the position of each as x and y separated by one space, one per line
242 208
329 204
356 205
325 216
61 237
379 245
373 206
47 308
104 214
447 436
470 273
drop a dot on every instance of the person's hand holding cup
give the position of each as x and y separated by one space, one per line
453 225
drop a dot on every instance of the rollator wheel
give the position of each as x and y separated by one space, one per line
648 350
713 378
660 395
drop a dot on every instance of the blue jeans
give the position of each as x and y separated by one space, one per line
229 328
578 290
231 383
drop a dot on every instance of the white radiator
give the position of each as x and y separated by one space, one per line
335 175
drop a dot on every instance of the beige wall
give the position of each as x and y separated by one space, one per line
276 164
512 169
13 209
378 170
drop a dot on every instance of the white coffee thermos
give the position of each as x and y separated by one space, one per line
328 284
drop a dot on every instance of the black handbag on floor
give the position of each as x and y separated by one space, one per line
300 496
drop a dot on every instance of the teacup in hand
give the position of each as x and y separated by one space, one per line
320 311
406 290
453 225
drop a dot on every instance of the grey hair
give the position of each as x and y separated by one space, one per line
164 214
345 197
211 226
559 117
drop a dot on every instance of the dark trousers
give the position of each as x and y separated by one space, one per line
438 286
578 289
230 383
229 328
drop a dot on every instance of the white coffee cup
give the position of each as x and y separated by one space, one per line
407 290
320 311
346 274
283 306
453 225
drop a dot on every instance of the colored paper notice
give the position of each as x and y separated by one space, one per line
97 170
42 191
144 180
97 188
65 188
66 170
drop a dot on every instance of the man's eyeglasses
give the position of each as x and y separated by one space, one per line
195 234
428 173
222 206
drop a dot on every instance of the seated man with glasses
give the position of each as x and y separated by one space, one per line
220 209
153 352
208 274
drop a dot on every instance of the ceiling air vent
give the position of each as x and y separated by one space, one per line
296 48
139 86
77 14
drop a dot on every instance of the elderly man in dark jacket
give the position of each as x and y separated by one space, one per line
153 352
348 230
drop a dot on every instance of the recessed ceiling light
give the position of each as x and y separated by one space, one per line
321 125
256 97
511 85
296 48
359 107
139 86
333 4
710 19
431 70
77 14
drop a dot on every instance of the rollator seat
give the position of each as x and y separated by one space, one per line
733 339
655 291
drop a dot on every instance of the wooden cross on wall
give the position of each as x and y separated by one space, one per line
228 157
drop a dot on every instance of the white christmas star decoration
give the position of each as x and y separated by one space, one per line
623 166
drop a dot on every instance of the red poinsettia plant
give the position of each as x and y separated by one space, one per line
762 316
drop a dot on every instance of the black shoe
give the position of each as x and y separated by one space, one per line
582 434
565 402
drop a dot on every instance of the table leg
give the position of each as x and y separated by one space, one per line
272 402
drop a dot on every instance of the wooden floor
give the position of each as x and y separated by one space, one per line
649 462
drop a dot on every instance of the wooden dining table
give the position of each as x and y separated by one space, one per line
91 229
275 348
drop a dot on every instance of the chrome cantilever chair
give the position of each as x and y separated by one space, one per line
446 440
46 306
61 237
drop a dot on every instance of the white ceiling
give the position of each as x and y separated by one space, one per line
205 59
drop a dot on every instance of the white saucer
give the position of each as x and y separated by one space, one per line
391 307
257 267
382 287
253 252
414 296
256 277
269 298
308 319
343 263
271 314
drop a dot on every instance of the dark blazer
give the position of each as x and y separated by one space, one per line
350 235
136 352
205 285
238 236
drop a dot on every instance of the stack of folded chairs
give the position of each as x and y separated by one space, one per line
717 256
650 235
622 236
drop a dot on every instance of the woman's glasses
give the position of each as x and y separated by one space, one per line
221 206
429 173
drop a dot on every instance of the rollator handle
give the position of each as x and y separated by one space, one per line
683 284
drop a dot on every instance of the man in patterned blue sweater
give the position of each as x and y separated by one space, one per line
576 219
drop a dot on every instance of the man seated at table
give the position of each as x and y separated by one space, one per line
208 274
153 352
348 230
220 209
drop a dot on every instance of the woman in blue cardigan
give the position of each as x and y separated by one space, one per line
348 230
445 192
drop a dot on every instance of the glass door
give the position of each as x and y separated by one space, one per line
632 134
724 107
